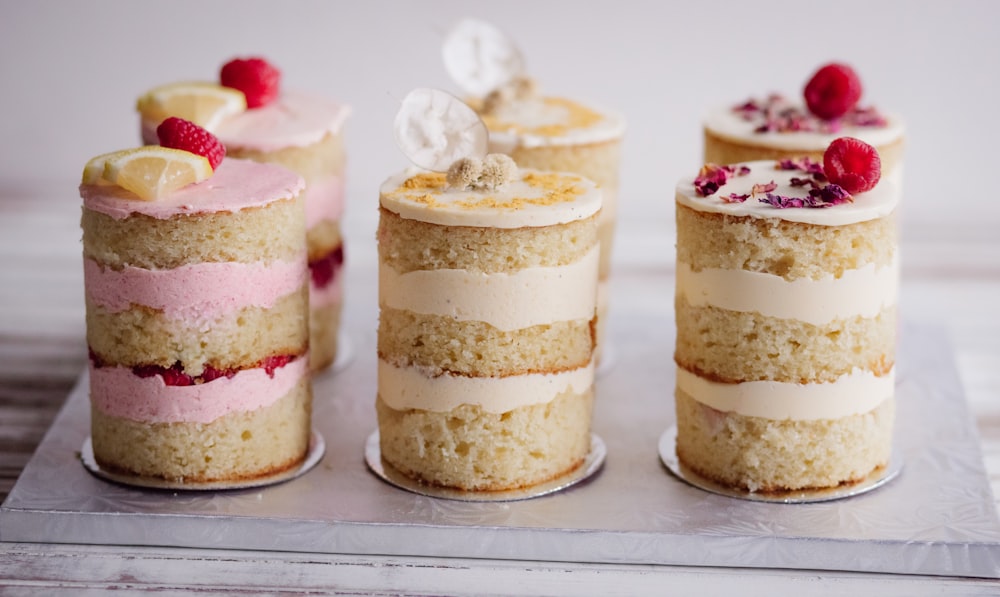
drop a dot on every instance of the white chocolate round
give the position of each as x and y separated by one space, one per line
434 128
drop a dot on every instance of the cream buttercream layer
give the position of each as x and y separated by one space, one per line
409 387
533 199
853 393
876 203
506 301
201 291
542 121
118 392
725 122
235 185
864 292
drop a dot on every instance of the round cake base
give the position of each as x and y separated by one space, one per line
878 477
315 452
590 466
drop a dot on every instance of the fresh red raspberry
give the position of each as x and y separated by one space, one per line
172 376
852 164
271 363
178 133
255 77
833 91
324 269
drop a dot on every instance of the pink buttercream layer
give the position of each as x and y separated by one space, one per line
324 200
118 392
330 294
235 185
296 119
198 292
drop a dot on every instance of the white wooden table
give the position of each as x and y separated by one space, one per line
951 281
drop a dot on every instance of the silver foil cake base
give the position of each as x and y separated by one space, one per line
383 470
878 478
317 447
936 518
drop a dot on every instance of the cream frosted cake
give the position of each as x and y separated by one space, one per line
487 298
197 302
776 127
298 130
539 131
785 302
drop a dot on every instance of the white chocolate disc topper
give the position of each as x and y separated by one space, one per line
480 58
434 128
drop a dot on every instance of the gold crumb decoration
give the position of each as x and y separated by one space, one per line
490 173
425 180
559 188
554 188
577 117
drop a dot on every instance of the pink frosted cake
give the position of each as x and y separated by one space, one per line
302 132
197 326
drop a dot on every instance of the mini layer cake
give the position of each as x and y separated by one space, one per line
547 133
197 326
775 128
487 328
786 330
304 133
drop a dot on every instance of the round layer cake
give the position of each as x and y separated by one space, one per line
774 128
786 332
487 328
304 133
197 325
561 135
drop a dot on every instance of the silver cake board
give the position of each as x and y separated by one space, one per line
936 518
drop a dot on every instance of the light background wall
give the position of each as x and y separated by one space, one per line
70 72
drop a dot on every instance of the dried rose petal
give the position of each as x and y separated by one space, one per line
776 114
761 188
735 198
713 176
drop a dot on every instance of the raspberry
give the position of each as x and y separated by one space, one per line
271 363
173 376
255 77
324 269
833 91
852 164
178 133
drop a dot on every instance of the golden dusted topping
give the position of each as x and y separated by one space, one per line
426 180
530 198
539 188
571 115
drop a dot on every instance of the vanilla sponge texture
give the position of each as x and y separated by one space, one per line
322 164
482 385
786 335
555 134
197 328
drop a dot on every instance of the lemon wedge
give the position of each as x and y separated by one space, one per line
93 172
151 171
205 104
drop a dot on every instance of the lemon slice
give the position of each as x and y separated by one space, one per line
205 104
93 172
153 171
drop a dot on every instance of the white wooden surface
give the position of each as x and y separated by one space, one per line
946 280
